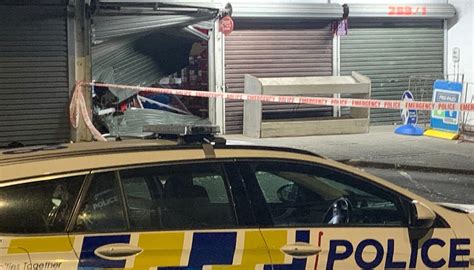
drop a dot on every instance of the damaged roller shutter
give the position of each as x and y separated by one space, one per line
124 31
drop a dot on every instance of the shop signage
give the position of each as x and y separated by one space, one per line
448 92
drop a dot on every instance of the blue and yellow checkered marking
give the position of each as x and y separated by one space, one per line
297 264
91 243
213 248
160 250
40 244
170 250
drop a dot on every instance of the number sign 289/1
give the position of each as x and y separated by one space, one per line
407 10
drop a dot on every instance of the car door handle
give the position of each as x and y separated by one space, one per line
300 249
117 251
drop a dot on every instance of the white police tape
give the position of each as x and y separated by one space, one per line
322 101
78 105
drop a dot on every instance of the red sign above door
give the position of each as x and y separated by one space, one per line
226 25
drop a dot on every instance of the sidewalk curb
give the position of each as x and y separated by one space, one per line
397 166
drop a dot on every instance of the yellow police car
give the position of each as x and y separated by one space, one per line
188 204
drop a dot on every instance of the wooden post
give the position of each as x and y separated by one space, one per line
80 51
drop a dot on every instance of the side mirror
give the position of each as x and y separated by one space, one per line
422 217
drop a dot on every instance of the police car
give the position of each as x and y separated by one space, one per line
193 202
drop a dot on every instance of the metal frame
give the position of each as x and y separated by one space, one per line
211 75
193 31
86 183
71 46
153 3
152 8
446 51
336 68
218 80
223 85
286 10
466 130
123 199
43 178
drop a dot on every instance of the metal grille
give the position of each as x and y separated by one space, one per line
34 94
276 50
389 52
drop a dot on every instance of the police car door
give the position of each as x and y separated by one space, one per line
174 216
33 217
317 217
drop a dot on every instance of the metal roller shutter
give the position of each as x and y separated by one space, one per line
34 92
112 27
388 52
275 50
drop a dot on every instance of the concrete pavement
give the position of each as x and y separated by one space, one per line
382 147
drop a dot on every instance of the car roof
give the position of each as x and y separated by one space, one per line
16 162
9 156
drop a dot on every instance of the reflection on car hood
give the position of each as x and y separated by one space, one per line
467 208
